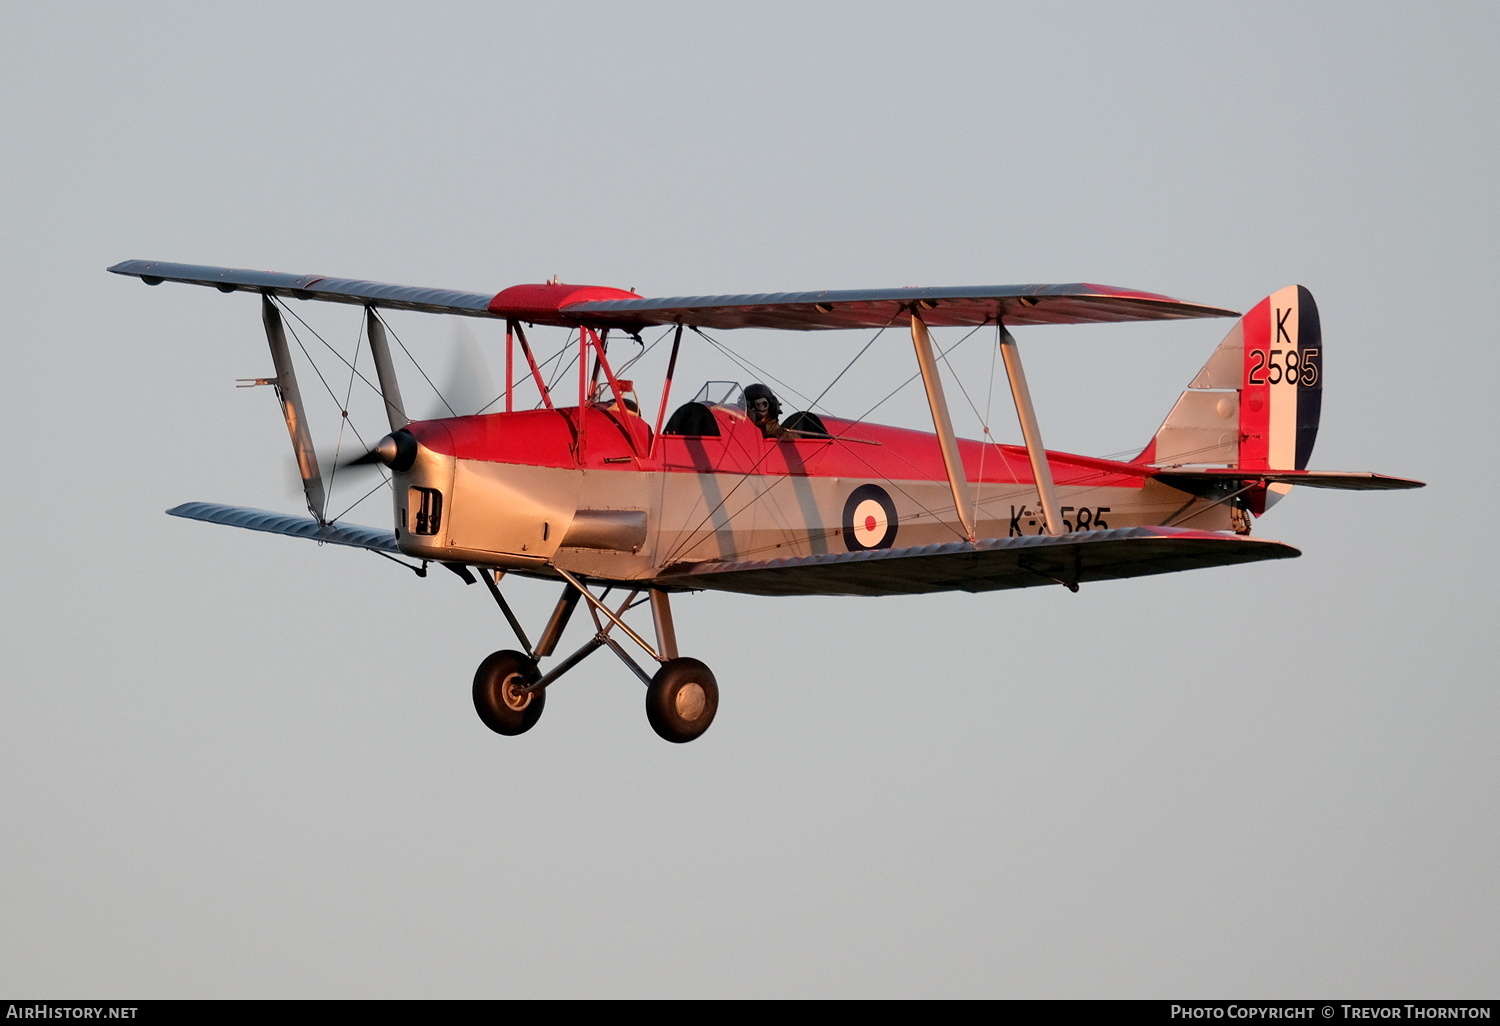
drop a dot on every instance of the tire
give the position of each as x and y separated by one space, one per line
495 700
682 700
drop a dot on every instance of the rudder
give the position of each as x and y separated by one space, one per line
1281 392
1255 404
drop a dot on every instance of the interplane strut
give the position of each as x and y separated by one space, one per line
1041 470
942 423
292 409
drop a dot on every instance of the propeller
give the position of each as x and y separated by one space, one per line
398 451
469 386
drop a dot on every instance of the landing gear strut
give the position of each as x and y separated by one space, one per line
510 690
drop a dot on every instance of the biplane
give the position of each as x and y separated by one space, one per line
592 491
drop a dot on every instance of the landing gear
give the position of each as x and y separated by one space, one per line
501 696
681 700
509 689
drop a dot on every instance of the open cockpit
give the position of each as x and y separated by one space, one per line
755 402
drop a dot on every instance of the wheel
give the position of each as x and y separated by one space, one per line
682 699
498 698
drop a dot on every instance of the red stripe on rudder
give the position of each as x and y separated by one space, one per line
1255 399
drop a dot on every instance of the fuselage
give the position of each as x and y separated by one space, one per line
522 491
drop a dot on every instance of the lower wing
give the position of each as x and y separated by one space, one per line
991 564
352 535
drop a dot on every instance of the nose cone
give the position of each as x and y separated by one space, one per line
397 450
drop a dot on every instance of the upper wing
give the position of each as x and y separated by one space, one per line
988 565
599 306
311 286
1349 480
875 308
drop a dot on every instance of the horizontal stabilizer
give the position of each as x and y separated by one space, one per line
991 564
352 535
1348 480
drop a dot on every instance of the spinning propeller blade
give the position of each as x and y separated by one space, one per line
469 387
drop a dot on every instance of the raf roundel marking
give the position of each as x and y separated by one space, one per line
869 519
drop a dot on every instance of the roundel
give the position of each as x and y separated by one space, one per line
869 519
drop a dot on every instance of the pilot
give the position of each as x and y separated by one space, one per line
764 410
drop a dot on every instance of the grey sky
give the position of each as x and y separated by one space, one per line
236 765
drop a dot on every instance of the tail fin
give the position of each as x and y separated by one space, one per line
1256 402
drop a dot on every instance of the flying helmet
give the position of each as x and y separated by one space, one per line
756 394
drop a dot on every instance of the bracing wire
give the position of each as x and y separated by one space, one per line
338 442
751 368
942 353
818 401
645 349
748 367
385 482
340 356
435 390
318 371
564 368
984 423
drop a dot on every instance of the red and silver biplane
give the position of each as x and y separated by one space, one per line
730 494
